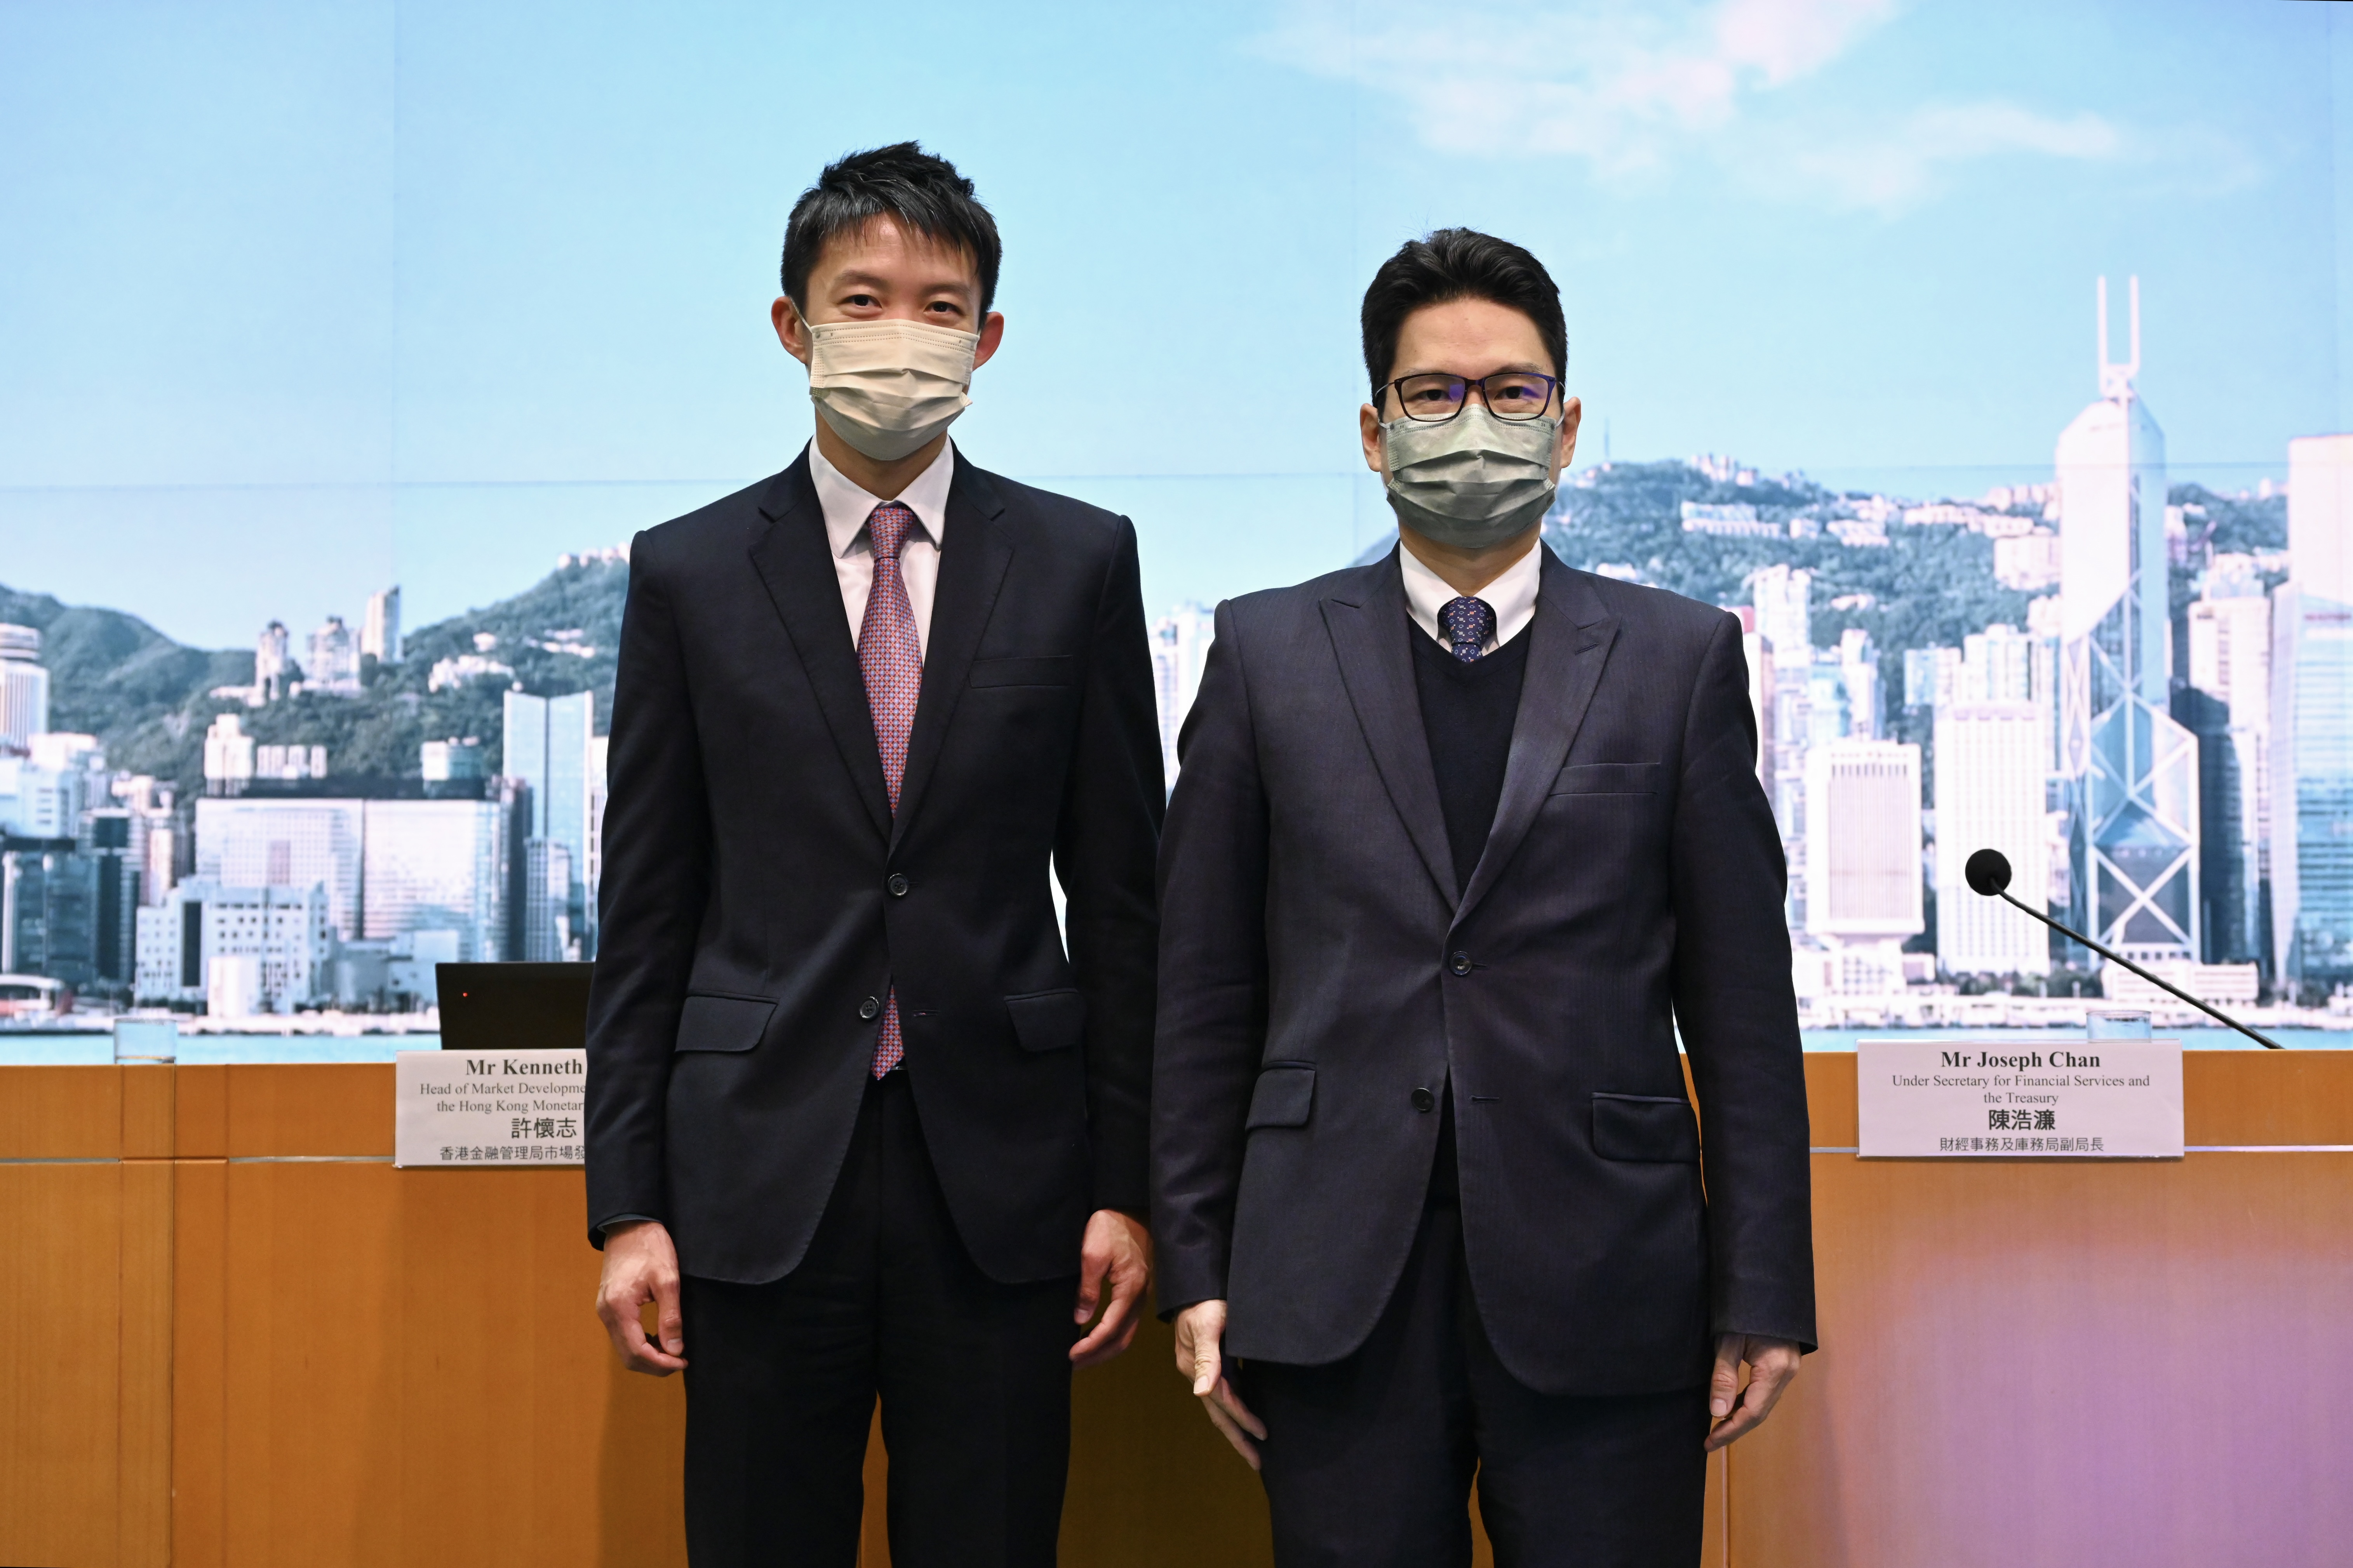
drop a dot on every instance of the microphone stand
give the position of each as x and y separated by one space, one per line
2220 1017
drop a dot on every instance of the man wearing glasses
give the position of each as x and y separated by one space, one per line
1460 839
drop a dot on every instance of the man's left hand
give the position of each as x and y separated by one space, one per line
1118 1250
1733 1410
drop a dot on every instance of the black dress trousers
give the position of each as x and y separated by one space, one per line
1369 1461
973 1378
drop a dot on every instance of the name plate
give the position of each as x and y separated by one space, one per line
505 1109
2069 1100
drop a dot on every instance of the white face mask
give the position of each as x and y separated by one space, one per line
887 387
1472 481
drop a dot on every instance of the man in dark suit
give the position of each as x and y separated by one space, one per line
1458 841
856 1127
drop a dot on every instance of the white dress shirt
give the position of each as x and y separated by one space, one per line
1513 596
847 507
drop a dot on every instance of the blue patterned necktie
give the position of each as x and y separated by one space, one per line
1469 624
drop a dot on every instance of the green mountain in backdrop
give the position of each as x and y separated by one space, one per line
1929 587
149 700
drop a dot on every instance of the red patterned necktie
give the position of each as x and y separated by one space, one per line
891 657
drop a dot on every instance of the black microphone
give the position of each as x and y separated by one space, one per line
1987 873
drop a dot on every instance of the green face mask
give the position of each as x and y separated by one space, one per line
1472 481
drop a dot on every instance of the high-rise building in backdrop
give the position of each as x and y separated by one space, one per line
1844 691
228 756
36 801
335 663
452 761
1758 655
290 764
380 633
2027 562
599 790
2000 664
2228 701
1780 610
1180 647
110 842
1782 595
49 915
272 652
23 687
248 841
2311 721
240 950
1997 665
2131 771
437 866
546 908
1863 857
47 786
549 748
1992 758
386 867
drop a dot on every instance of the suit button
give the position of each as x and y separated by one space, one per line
897 885
1459 963
868 1008
1424 1101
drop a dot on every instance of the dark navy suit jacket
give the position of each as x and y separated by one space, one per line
1322 975
759 898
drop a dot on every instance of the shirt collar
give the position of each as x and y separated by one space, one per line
846 504
1513 596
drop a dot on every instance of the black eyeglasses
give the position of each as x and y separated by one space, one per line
1435 396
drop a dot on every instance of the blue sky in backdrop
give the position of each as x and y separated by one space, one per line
299 300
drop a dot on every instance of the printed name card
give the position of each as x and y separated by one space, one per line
2068 1099
504 1109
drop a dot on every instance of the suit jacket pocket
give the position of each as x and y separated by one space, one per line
1047 1020
1284 1096
1608 778
723 1023
1052 669
1650 1127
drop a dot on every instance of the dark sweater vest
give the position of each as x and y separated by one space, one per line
1467 711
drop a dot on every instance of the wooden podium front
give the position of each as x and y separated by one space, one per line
244 1339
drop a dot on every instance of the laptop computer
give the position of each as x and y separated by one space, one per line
514 1006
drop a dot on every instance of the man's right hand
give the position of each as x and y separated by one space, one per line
641 1266
1200 1336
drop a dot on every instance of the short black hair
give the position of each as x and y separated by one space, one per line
1458 264
901 180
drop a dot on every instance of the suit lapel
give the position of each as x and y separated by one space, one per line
795 564
1368 633
1572 638
974 556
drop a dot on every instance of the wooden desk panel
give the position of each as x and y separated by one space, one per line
253 1342
500 1354
61 1371
2041 1362
61 1114
2028 1363
309 1399
402 1367
1829 1100
143 1337
2268 1097
1151 1483
261 1109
